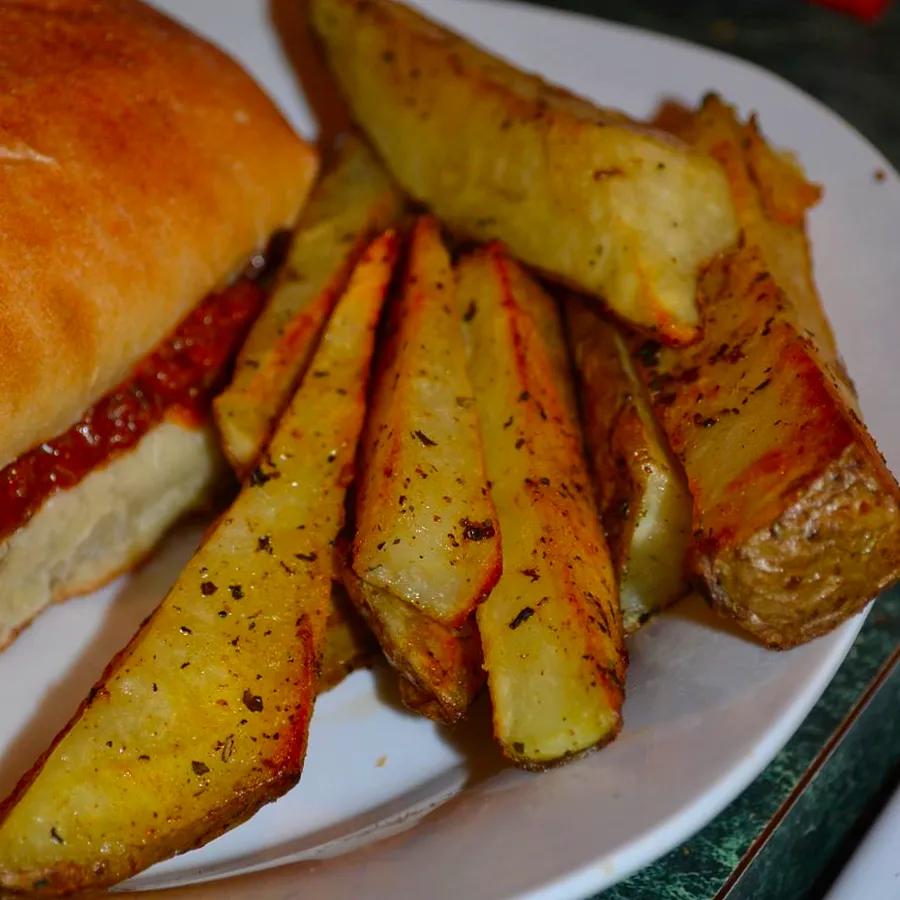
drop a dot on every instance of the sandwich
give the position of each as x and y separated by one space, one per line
141 171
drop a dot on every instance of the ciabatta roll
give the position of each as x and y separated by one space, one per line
140 169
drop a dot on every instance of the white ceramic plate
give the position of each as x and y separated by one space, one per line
391 806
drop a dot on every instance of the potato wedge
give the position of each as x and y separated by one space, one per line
771 196
426 527
641 491
348 644
796 517
442 665
353 201
203 717
551 629
607 205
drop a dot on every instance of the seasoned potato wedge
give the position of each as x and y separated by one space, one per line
426 527
796 518
609 206
771 196
442 665
551 629
353 201
641 491
203 717
348 644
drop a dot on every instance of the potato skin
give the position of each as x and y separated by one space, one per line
807 530
820 562
796 516
497 153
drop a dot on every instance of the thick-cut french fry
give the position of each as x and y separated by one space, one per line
551 629
348 644
203 717
426 528
353 201
771 196
796 517
585 194
443 665
641 492
823 533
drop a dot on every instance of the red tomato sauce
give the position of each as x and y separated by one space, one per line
178 379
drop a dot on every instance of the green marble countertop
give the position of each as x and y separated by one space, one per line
792 830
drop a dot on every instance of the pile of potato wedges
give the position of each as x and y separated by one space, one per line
530 372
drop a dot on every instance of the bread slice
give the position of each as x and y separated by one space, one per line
83 537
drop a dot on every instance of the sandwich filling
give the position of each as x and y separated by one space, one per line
177 380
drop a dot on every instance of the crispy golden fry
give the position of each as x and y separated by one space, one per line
804 585
203 717
609 206
551 629
443 665
771 196
353 201
796 518
426 527
641 492
348 644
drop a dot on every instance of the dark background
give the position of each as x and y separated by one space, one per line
850 65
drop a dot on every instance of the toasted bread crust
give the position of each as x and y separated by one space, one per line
139 168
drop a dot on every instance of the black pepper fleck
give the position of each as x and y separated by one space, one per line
648 353
259 477
522 616
477 531
253 702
